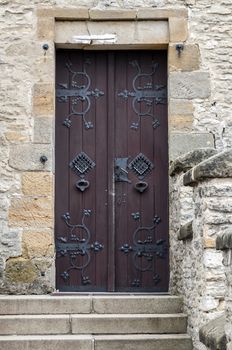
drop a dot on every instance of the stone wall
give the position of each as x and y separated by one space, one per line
199 113
197 270
224 243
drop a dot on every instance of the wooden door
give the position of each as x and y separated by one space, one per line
111 188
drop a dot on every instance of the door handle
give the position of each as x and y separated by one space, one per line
120 172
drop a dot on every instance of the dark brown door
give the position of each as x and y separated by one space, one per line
111 188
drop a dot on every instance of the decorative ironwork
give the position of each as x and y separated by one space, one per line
141 165
75 247
78 93
82 164
144 250
147 94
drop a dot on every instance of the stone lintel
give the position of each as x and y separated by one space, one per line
217 166
224 240
186 231
213 334
141 34
83 13
189 160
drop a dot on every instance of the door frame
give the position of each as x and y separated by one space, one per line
54 25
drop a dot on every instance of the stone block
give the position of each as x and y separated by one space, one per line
45 28
43 99
37 183
181 107
44 304
127 324
217 166
75 13
190 159
189 85
37 244
224 240
142 342
110 15
153 13
20 270
27 157
182 143
43 130
209 242
180 122
30 212
34 324
208 303
133 304
48 342
187 60
186 231
213 334
143 33
178 29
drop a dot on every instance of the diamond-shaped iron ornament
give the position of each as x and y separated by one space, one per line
141 165
82 164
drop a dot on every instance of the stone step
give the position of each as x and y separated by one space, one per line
92 324
113 304
81 342
129 324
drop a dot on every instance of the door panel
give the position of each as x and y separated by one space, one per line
111 171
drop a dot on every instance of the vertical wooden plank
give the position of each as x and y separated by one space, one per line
111 184
61 161
101 263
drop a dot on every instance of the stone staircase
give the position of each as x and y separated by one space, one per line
112 322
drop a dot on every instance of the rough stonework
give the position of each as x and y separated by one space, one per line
224 243
197 270
213 334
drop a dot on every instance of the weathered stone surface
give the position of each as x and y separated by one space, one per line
213 334
224 240
27 157
189 85
30 211
37 244
209 242
43 99
45 28
180 107
127 324
20 270
77 13
110 15
43 130
37 183
186 231
187 60
219 165
208 303
181 143
156 13
178 28
190 159
145 33
181 122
